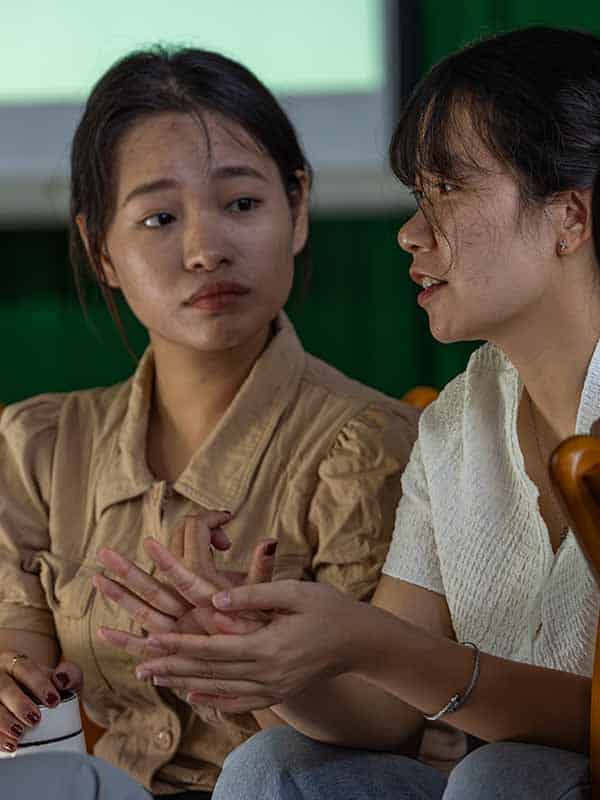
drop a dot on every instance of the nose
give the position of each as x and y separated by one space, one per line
205 248
416 235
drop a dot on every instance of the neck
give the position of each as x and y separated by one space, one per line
552 353
192 391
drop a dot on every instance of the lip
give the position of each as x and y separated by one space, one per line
425 295
417 276
217 295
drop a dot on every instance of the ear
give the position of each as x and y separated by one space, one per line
108 274
574 218
300 202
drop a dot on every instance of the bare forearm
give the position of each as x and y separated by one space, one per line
349 711
511 701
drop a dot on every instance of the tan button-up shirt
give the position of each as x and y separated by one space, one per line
303 454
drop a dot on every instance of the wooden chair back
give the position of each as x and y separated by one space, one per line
91 731
575 471
420 396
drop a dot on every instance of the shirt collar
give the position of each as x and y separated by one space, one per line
220 472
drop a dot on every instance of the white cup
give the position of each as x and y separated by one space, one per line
59 729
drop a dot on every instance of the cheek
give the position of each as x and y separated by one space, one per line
274 258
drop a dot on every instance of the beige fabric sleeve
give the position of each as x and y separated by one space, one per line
351 516
27 436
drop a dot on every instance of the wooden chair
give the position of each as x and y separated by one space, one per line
575 471
91 731
420 396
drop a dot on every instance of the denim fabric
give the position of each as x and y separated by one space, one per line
66 776
281 764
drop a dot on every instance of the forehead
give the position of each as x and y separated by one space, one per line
178 145
451 140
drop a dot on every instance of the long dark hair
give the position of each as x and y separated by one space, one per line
533 98
162 80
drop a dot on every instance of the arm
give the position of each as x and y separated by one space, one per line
512 701
334 711
27 434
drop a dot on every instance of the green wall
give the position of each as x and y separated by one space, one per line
359 313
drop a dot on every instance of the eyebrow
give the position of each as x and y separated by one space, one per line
237 171
221 173
150 187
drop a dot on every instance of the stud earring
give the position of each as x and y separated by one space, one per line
562 247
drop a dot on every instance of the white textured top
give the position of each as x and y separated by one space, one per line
469 527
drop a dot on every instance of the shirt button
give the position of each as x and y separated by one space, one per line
164 739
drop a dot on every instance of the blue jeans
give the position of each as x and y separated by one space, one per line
281 764
66 776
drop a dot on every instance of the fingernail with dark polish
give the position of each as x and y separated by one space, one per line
18 730
9 747
33 717
62 678
270 549
51 699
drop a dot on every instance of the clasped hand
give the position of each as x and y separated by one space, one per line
233 648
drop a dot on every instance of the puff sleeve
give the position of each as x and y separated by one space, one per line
350 519
27 437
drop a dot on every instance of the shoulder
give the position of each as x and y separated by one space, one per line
478 390
360 422
337 389
44 415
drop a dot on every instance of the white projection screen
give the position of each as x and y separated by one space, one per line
338 67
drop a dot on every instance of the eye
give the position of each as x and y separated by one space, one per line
243 205
158 220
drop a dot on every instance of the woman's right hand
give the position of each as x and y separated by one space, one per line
23 682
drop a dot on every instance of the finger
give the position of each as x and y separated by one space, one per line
181 667
138 582
286 595
230 705
197 549
11 729
263 562
67 676
214 520
146 616
219 539
176 543
138 646
195 589
209 686
22 682
217 647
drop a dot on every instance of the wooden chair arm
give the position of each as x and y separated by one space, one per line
575 471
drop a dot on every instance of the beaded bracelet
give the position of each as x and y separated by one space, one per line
460 698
